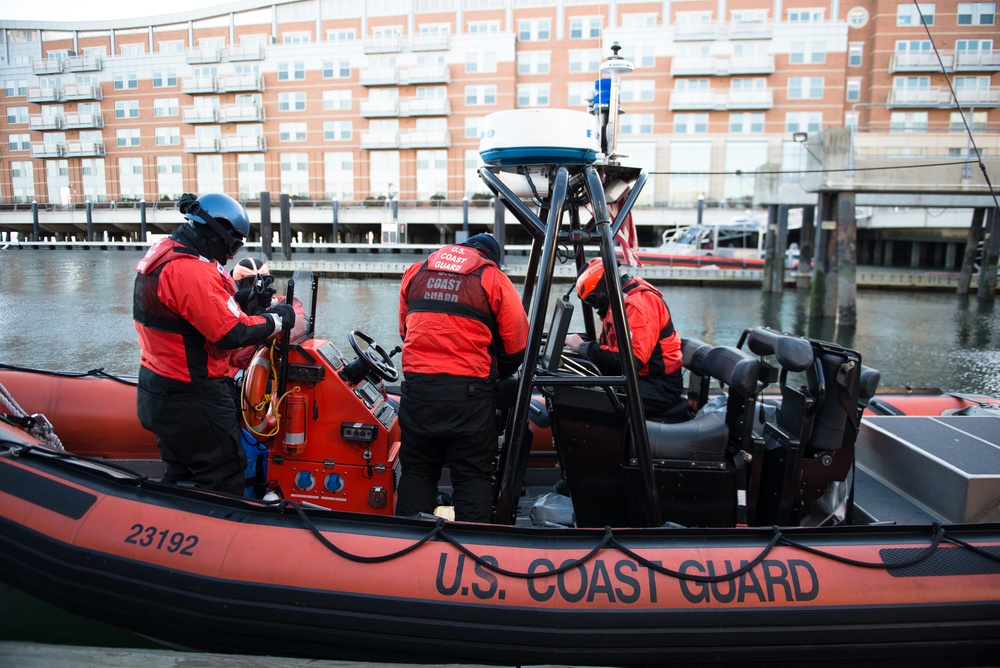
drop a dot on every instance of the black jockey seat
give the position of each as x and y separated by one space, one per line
808 446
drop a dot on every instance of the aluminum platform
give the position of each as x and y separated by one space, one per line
948 465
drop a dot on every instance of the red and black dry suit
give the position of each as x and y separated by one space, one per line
462 325
188 322
656 346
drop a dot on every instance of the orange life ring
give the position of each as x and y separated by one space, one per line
256 406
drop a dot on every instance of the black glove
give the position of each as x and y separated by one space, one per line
242 298
264 297
286 313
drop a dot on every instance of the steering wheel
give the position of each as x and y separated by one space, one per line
374 356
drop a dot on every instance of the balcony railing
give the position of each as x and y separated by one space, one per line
379 140
425 107
240 83
379 108
203 55
201 145
244 52
242 144
750 99
698 99
45 121
383 44
384 76
83 120
47 94
440 139
200 115
918 62
48 149
751 30
82 92
978 97
47 66
977 61
437 42
751 64
241 113
425 75
84 63
85 149
920 97
196 85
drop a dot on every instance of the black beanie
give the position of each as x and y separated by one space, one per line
487 244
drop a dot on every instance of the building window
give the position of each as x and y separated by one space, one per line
690 124
291 71
585 27
296 38
803 121
533 95
17 115
533 62
638 90
473 182
291 132
807 52
250 170
432 174
908 14
338 175
337 130
130 182
482 95
853 90
169 179
977 122
476 62
472 125
126 81
340 69
383 173
746 123
533 30
17 87
167 136
165 106
584 60
291 101
805 88
805 15
127 109
128 137
580 94
295 174
164 78
976 13
132 50
483 27
19 142
342 35
908 121
636 124
336 100
22 180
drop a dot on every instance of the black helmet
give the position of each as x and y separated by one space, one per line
224 215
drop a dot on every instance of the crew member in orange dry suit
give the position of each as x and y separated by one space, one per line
188 322
463 327
656 345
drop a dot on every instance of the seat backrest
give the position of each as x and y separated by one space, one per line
694 355
742 374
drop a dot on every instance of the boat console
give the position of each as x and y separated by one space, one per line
338 443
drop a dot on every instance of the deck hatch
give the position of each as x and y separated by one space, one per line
45 492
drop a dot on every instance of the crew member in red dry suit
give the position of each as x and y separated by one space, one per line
656 345
463 327
188 322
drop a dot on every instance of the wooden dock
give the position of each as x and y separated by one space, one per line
385 261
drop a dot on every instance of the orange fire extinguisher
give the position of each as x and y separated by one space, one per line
295 424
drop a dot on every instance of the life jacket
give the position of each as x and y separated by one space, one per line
450 327
666 356
147 309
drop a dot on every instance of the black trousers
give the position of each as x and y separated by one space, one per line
197 430
448 420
